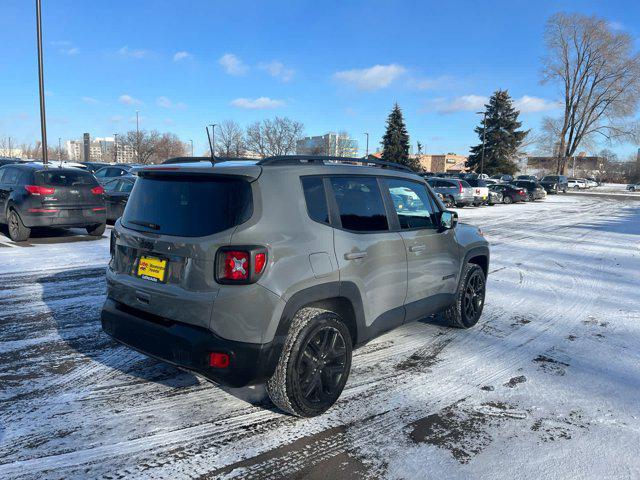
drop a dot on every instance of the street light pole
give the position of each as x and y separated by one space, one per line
43 118
115 147
484 131
366 154
213 137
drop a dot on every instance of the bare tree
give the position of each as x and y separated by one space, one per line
230 141
599 76
143 143
344 145
168 145
274 137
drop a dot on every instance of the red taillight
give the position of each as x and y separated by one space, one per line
38 190
236 265
97 190
460 186
260 262
99 209
43 210
218 360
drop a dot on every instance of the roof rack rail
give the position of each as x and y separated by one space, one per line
315 159
206 159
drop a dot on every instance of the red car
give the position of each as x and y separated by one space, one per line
510 193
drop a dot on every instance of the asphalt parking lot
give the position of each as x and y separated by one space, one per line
545 386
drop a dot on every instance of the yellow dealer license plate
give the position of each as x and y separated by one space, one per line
151 268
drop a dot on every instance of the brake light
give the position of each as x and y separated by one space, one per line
236 265
43 210
218 360
97 190
240 265
38 190
460 187
260 262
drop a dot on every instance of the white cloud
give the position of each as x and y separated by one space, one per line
260 103
465 103
374 78
232 64
90 100
165 102
70 51
278 70
617 26
66 47
129 100
474 103
132 53
534 104
182 55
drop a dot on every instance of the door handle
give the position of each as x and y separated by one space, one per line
354 255
417 248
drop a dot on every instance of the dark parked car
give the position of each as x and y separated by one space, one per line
535 191
117 193
510 193
93 167
532 178
33 195
106 174
555 183
502 178
8 160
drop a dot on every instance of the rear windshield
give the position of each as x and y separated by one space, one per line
65 178
550 179
187 205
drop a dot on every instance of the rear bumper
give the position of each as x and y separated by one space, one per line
52 217
188 346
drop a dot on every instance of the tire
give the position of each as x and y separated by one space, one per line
17 231
96 230
448 202
531 199
467 309
507 200
302 383
460 205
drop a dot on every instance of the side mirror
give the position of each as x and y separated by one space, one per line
448 219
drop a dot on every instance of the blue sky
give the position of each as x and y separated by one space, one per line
331 65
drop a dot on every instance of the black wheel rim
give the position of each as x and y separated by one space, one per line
473 299
13 224
321 366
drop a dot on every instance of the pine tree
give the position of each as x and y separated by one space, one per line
395 143
502 137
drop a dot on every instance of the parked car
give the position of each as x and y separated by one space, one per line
555 183
34 195
495 197
106 174
8 160
531 178
480 191
501 178
534 190
510 193
634 187
577 183
245 275
456 193
93 167
117 193
592 182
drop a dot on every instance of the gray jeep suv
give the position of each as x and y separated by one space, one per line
272 271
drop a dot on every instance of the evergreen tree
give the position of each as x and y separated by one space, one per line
395 143
502 137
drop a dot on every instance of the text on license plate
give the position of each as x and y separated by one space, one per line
151 268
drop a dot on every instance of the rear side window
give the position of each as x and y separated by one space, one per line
65 178
187 205
10 176
316 199
360 204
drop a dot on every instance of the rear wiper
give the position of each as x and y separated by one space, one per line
152 226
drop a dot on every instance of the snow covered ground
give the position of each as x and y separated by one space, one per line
546 385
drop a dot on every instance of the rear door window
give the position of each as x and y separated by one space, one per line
187 205
316 199
411 202
360 204
11 176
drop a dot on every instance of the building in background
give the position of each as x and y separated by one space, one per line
579 166
100 150
331 144
446 162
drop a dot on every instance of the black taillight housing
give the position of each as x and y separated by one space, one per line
240 265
